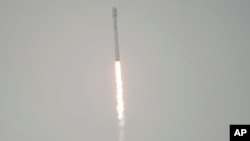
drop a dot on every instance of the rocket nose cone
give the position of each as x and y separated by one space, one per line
114 11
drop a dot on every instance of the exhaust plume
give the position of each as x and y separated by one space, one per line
119 98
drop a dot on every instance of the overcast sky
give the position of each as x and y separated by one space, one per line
185 68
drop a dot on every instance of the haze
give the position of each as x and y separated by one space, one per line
185 69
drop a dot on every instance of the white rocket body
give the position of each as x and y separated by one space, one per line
114 14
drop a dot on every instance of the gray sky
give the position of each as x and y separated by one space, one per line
185 68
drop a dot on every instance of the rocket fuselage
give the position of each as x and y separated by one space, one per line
114 14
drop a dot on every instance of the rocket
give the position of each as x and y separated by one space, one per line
114 14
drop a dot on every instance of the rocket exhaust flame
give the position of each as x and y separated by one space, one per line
119 97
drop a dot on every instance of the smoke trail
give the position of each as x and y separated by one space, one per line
119 98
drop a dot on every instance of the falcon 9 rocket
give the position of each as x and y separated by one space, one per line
114 14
